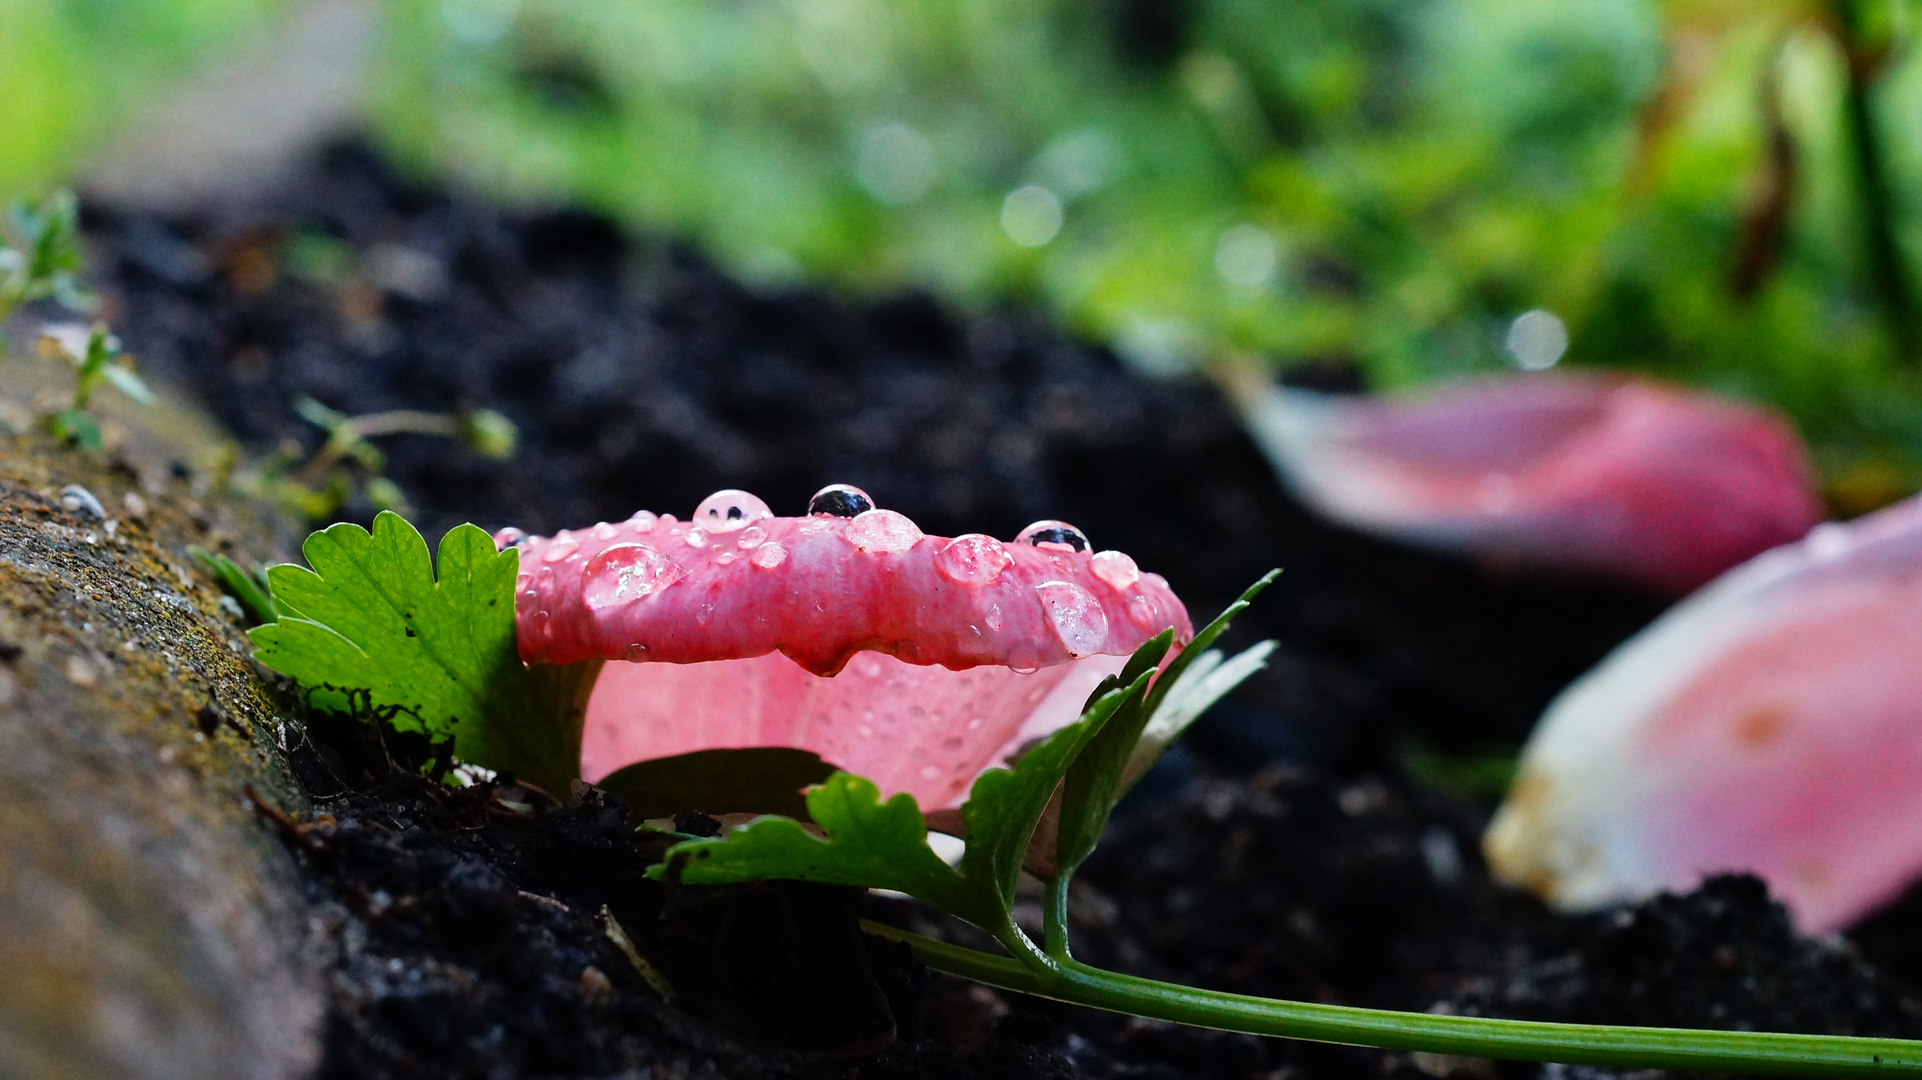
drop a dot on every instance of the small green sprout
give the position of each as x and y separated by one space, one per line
40 256
97 360
370 619
324 482
40 259
251 591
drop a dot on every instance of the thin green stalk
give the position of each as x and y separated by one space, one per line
1054 919
1467 1036
1876 204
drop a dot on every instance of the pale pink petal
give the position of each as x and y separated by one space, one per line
921 729
1772 723
1600 474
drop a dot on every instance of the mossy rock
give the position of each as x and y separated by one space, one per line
150 925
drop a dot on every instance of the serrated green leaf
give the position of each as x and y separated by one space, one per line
1005 805
1206 681
370 615
1097 778
867 843
1172 674
877 845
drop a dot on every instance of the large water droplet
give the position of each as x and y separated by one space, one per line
768 555
1077 616
1053 534
508 538
1144 612
973 559
994 618
751 537
840 500
726 511
1115 568
625 573
560 548
883 532
643 520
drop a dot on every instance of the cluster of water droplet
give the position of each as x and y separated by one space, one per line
728 525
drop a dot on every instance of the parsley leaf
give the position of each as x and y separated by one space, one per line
884 845
371 616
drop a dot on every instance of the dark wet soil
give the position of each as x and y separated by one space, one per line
1285 849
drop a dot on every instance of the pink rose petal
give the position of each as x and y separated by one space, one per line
1647 483
915 660
1772 723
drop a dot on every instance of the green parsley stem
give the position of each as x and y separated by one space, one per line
1468 1036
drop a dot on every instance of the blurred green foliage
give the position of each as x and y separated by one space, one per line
1380 182
69 69
1717 192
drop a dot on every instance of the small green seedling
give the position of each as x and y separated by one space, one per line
324 482
40 256
96 359
250 590
41 259
370 617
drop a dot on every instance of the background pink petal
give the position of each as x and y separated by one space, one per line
1772 724
1651 484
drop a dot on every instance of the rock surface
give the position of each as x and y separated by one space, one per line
149 926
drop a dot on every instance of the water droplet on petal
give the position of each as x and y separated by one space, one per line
724 558
882 532
929 772
634 653
625 573
1077 616
751 537
768 555
994 618
643 520
508 538
1827 541
867 664
696 538
1144 612
560 548
974 724
1115 568
1053 534
726 511
604 531
973 559
840 500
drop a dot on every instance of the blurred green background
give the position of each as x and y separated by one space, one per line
1715 192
